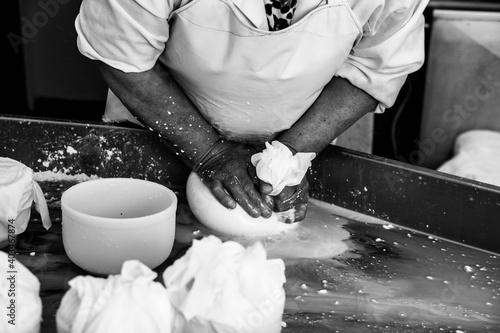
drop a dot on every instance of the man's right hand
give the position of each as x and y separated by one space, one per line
228 172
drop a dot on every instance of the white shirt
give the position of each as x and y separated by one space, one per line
130 35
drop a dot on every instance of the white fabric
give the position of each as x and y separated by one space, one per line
252 71
116 112
392 46
388 39
18 191
25 295
224 287
277 166
127 303
476 156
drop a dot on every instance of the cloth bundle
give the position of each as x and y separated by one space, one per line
225 287
476 156
18 190
130 302
19 297
277 166
215 287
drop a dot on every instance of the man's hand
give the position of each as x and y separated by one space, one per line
228 172
291 197
338 107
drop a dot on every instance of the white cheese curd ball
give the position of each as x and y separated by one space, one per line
229 222
320 235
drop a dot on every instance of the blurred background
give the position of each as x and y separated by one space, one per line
457 89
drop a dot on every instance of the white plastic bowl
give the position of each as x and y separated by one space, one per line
108 221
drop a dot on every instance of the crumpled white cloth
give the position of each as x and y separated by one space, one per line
476 156
224 287
127 303
27 303
18 190
277 166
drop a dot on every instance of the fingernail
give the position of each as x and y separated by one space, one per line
266 188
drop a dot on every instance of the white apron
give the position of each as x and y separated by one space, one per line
250 83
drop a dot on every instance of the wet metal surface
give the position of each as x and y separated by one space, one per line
391 279
395 280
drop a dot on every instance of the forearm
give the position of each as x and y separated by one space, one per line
156 100
338 107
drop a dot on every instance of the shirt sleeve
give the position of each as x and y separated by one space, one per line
391 47
128 35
